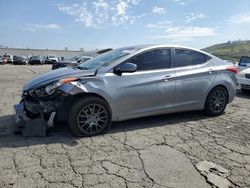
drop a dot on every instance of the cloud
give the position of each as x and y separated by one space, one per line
194 16
180 2
102 13
121 8
80 12
158 10
183 2
159 25
240 18
134 2
38 27
181 33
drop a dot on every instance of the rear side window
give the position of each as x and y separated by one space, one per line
154 59
184 57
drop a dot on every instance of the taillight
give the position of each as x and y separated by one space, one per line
233 69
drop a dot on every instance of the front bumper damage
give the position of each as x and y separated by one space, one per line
35 115
32 127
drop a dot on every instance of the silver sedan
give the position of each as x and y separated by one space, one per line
128 83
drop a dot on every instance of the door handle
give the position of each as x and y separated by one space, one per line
210 71
168 78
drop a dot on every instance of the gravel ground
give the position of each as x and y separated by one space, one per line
177 150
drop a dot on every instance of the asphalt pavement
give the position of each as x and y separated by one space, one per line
176 150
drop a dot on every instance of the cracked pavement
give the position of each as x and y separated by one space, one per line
176 150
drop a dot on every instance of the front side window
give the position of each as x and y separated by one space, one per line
154 59
184 57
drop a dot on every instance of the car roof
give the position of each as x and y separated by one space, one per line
151 46
142 48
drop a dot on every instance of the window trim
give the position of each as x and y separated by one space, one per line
206 57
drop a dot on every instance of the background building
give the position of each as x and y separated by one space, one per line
28 52
42 52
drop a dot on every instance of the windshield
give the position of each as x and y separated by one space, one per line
107 58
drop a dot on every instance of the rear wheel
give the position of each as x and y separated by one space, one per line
216 101
89 117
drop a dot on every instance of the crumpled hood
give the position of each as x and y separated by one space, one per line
56 75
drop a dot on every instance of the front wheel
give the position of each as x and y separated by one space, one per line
89 116
216 101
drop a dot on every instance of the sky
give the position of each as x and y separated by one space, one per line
97 24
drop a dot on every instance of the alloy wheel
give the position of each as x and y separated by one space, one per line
218 101
92 119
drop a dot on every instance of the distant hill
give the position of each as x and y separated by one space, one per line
232 50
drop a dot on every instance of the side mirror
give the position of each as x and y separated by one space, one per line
125 67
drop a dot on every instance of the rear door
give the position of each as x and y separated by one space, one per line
194 75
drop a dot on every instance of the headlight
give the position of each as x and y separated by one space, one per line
52 87
47 90
40 92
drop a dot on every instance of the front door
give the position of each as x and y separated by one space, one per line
148 91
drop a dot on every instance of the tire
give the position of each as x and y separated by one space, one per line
216 101
83 122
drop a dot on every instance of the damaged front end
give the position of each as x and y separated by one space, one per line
39 107
48 97
29 126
